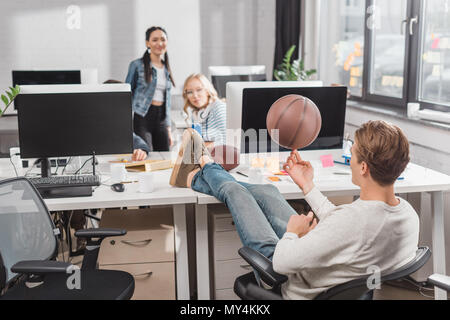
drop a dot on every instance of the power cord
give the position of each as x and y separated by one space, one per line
14 166
67 163
79 170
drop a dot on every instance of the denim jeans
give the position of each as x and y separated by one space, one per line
259 212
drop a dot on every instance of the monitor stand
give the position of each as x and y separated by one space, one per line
61 192
45 167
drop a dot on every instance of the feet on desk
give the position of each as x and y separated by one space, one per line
192 156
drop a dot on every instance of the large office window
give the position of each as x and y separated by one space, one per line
390 52
387 66
342 43
434 69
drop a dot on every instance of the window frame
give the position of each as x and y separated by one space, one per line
411 76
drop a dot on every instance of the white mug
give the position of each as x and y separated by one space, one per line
118 172
146 182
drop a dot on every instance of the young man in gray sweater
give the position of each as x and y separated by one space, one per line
332 244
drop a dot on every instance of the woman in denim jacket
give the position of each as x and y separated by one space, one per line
151 80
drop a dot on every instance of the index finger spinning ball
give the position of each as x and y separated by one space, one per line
297 120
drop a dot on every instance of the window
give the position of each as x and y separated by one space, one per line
390 52
434 66
343 36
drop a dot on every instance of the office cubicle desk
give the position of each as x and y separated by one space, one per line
417 180
163 195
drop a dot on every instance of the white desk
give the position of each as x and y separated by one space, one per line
417 180
164 194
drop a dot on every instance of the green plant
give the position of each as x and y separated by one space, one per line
7 100
294 71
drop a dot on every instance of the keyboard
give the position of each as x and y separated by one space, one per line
65 181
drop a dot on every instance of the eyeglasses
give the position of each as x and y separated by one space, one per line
190 93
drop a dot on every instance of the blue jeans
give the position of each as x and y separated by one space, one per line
259 212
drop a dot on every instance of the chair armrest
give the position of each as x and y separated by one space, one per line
263 266
255 292
99 233
440 281
41 267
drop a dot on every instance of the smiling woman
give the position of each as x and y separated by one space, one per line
151 81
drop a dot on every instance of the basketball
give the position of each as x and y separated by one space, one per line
298 120
226 156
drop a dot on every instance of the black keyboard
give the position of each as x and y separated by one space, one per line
65 181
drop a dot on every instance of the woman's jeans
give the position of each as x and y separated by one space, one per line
259 212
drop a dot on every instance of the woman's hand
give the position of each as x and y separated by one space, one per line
138 155
301 172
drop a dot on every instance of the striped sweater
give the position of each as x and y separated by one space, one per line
213 122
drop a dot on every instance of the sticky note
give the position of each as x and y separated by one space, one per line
274 179
327 161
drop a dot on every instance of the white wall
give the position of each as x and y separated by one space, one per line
34 35
237 32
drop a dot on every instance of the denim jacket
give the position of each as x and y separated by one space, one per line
143 92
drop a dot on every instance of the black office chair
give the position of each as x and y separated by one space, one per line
29 246
247 288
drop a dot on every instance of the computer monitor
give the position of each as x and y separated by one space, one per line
235 98
221 75
47 77
331 102
43 77
74 120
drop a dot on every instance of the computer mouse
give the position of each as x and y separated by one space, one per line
118 187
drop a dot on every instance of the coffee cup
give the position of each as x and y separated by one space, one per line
146 182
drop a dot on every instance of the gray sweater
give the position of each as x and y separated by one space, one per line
347 241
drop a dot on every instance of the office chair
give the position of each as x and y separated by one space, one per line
246 286
29 246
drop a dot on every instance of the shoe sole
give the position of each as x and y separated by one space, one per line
186 139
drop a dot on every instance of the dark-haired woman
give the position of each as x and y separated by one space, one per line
151 80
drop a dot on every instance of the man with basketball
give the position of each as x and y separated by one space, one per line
332 244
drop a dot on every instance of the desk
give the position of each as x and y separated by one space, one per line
164 194
417 179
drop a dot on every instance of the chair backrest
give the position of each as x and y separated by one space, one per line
358 289
26 228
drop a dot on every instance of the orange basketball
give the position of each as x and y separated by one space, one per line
298 120
226 156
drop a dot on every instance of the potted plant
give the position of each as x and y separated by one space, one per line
292 71
9 98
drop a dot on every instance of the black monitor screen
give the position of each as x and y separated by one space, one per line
74 124
220 82
331 102
46 77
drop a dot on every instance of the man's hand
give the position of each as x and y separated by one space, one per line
301 172
301 225
138 155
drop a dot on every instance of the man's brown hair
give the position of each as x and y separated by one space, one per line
385 149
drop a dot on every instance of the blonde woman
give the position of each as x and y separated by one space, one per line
205 109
